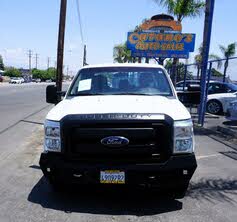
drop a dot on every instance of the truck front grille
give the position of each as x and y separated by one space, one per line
148 141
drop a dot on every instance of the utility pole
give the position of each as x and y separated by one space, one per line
36 60
48 62
61 35
67 70
84 56
30 56
206 46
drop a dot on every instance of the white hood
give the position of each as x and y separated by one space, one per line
119 104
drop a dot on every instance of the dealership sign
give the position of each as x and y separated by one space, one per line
160 45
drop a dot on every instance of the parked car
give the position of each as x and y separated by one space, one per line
180 85
16 80
218 103
36 80
214 86
231 113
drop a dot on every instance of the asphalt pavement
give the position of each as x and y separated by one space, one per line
26 196
17 102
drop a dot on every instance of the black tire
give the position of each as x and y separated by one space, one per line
56 185
179 194
214 107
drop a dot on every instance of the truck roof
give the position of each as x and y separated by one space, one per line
140 65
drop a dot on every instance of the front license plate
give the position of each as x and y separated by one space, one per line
112 176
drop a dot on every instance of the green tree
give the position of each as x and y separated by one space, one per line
182 9
168 64
121 54
12 72
51 73
1 63
37 74
216 73
180 70
227 52
198 60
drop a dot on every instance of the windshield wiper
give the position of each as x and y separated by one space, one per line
128 93
87 94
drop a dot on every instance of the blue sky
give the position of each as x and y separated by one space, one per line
33 24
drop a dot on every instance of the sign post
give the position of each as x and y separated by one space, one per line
206 47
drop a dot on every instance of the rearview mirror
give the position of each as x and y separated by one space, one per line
51 94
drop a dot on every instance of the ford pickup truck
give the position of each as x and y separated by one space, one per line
119 124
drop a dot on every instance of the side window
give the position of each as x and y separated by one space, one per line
228 89
215 88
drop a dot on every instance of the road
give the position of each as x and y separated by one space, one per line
26 196
17 102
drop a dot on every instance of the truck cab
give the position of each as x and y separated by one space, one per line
119 124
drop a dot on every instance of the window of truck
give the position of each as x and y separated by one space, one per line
121 81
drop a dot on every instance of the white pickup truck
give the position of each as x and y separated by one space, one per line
119 124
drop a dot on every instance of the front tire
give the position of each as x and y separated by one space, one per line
214 107
56 185
180 194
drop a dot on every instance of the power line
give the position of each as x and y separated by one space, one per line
79 20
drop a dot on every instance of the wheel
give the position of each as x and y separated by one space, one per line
214 107
179 194
56 185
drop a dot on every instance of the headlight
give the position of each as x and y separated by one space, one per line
52 141
183 137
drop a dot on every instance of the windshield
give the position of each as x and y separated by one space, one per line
121 81
232 86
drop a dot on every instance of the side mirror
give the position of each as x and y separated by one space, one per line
51 94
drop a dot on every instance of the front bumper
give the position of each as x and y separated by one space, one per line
176 171
231 114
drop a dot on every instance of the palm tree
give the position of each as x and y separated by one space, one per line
198 60
1 63
227 52
122 54
182 9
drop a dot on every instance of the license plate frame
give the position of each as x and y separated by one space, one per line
112 177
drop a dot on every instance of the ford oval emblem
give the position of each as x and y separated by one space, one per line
115 141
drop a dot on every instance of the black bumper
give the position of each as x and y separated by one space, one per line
176 171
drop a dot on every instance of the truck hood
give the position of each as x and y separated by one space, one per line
119 104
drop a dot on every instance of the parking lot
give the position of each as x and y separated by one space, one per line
26 196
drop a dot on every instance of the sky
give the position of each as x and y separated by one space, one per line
33 25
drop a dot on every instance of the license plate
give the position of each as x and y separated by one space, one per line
112 176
